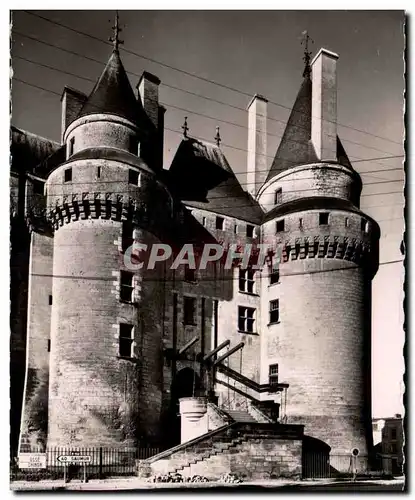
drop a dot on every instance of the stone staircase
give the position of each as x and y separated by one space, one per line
241 416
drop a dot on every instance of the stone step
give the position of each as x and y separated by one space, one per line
241 416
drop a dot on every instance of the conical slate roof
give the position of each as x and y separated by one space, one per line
295 147
113 94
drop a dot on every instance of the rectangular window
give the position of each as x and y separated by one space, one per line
133 177
71 146
250 231
393 434
189 275
48 345
246 319
134 146
68 175
235 229
127 238
323 218
204 221
126 340
246 280
98 172
274 276
300 223
220 223
126 286
274 311
280 226
189 311
278 196
346 222
273 375
50 300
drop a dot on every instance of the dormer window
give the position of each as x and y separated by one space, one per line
250 231
278 196
71 146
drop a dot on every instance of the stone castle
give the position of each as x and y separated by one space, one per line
105 354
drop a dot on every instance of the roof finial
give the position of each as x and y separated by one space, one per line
307 53
117 30
217 137
185 128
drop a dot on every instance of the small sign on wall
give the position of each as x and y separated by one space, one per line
32 461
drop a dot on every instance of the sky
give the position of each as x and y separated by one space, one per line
248 52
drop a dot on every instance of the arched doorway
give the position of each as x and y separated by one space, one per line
186 384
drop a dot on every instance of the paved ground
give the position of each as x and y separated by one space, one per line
134 484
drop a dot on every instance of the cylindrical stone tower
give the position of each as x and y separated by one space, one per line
320 336
105 371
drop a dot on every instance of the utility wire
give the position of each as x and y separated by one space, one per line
193 75
202 138
170 105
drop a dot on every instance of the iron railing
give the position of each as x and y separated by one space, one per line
102 463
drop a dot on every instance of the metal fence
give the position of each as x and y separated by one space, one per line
321 465
84 463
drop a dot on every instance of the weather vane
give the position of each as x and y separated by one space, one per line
217 137
307 53
185 128
117 30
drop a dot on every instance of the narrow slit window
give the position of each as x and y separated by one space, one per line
235 229
278 196
98 172
204 221
71 146
126 340
68 175
50 300
300 223
346 222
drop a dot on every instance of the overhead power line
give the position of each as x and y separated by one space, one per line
185 110
202 138
193 75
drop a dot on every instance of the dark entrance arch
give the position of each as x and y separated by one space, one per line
316 458
186 384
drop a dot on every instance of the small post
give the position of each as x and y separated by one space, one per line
64 472
100 463
84 472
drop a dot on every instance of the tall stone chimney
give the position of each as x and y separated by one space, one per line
257 144
72 101
148 90
324 105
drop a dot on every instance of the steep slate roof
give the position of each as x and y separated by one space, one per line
28 150
201 177
113 94
296 147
